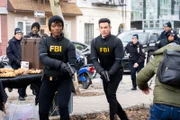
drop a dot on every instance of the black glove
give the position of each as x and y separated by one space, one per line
105 76
18 62
71 70
67 68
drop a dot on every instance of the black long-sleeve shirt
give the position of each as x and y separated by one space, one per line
136 52
109 52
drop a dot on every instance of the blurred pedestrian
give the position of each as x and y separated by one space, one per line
136 54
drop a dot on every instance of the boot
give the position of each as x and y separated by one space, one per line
123 116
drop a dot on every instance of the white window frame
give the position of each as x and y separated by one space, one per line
0 31
88 35
40 21
23 20
67 29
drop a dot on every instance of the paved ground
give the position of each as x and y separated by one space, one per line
88 104
125 96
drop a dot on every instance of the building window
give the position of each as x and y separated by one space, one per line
42 21
42 31
89 32
67 29
25 26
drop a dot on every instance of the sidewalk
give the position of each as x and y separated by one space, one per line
91 104
125 96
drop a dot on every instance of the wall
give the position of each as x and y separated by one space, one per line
2 3
3 27
91 15
72 29
13 17
73 25
3 36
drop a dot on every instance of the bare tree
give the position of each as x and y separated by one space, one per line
56 8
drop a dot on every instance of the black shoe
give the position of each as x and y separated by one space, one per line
134 88
123 115
25 95
34 92
21 98
124 118
10 89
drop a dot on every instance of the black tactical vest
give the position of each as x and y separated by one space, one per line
57 49
105 51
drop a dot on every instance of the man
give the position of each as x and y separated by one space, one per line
13 52
109 50
55 52
35 28
163 37
170 37
166 103
167 27
136 58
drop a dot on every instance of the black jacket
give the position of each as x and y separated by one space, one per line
136 52
109 51
13 52
164 42
164 36
33 35
53 52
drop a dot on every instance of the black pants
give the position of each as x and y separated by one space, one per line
46 95
110 89
22 91
133 72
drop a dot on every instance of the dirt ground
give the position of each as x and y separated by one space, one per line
133 114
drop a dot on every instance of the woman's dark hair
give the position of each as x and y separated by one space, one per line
103 20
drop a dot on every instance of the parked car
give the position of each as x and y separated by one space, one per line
147 38
84 48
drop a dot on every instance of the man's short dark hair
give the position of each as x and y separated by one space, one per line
103 20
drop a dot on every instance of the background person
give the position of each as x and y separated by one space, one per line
136 58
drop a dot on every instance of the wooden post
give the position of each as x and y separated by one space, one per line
76 84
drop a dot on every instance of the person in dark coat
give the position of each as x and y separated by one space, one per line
13 50
170 37
13 53
167 27
136 58
163 36
35 28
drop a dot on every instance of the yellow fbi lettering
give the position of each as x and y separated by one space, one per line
55 48
104 49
